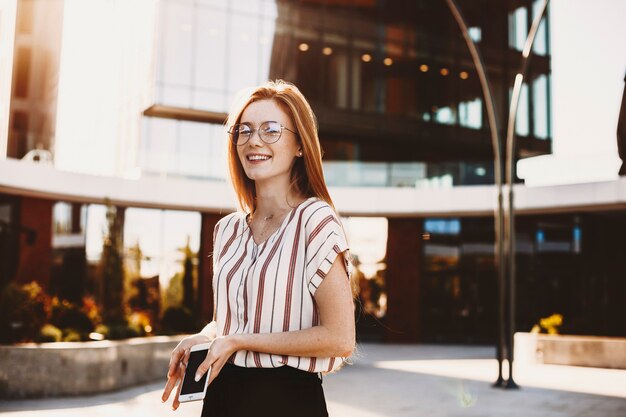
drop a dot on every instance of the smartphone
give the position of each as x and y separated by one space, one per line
192 390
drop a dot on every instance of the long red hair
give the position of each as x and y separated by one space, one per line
307 175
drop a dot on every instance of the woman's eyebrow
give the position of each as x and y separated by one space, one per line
264 121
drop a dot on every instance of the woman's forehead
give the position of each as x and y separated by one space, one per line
264 110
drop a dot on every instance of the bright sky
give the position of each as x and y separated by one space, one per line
588 68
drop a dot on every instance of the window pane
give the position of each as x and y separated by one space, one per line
522 123
159 145
540 47
540 107
177 41
210 52
243 53
518 28
194 149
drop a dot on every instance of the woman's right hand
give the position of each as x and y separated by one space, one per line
178 364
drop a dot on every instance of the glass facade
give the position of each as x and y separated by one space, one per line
393 86
563 265
458 288
182 148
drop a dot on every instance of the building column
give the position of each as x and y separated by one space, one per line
404 263
35 256
205 266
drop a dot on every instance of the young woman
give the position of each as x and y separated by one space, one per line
284 312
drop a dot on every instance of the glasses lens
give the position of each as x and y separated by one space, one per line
240 134
270 131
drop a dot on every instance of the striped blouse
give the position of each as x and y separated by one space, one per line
269 288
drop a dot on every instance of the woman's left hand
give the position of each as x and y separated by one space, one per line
221 349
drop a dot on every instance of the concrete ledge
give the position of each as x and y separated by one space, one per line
592 351
79 368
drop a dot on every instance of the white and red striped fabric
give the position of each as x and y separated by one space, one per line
269 288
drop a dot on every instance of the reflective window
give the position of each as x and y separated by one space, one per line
68 225
209 50
445 115
518 28
522 122
367 71
23 71
160 235
540 107
62 218
540 47
471 113
190 149
95 230
475 33
443 226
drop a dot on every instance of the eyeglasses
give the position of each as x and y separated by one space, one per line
269 132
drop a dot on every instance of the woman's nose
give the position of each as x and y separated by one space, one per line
255 138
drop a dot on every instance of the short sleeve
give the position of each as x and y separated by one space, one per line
325 240
218 232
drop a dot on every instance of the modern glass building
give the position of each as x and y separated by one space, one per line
393 85
406 143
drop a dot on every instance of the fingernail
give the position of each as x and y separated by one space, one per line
197 378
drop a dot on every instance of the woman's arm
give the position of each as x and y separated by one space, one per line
333 337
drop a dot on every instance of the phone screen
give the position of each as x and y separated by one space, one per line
189 384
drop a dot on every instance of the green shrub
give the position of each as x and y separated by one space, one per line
23 312
549 324
71 335
66 315
118 331
179 320
49 333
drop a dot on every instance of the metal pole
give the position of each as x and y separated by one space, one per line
510 156
497 169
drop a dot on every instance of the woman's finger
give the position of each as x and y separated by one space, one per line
171 383
185 359
215 370
176 401
204 366
174 361
175 376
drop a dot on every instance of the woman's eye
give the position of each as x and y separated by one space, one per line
271 129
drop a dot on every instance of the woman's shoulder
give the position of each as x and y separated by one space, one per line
316 208
318 214
231 220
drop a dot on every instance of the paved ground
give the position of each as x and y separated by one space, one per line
388 380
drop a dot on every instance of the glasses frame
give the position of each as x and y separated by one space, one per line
231 132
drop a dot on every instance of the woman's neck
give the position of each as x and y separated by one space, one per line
272 199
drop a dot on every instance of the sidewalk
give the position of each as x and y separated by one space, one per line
406 380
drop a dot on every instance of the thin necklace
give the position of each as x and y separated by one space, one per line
267 218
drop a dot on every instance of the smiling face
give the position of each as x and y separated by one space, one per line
260 160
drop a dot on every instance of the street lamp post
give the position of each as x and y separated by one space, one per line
509 230
505 260
497 170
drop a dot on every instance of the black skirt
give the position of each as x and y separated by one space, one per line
259 392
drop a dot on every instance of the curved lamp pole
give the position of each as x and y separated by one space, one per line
509 230
501 256
497 171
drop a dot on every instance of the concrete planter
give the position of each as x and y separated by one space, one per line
592 351
78 368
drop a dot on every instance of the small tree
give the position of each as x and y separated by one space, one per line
113 267
189 300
